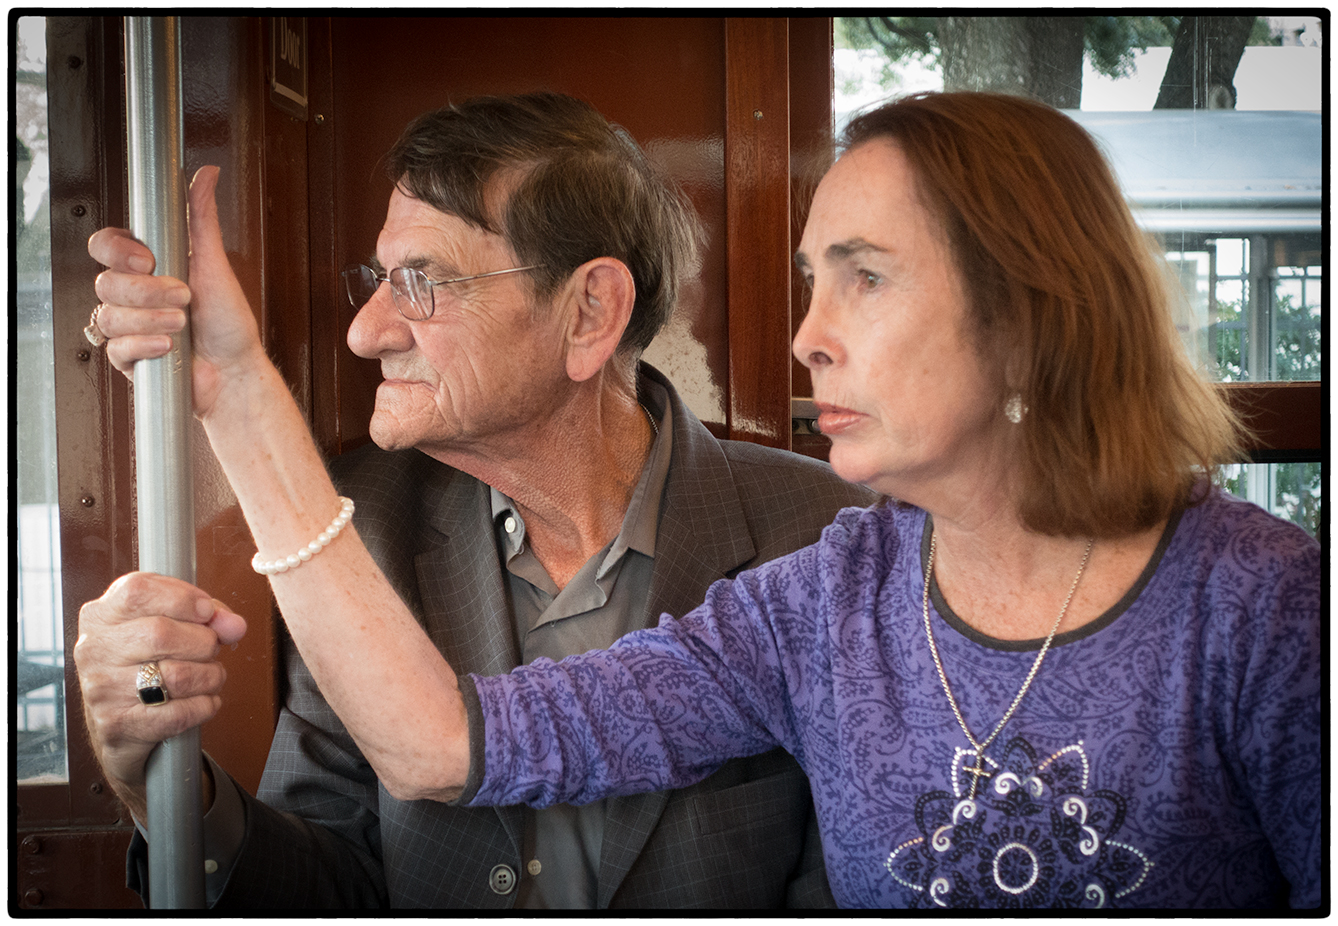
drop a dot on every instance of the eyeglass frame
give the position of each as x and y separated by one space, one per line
432 284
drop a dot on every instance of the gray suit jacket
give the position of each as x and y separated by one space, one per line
324 833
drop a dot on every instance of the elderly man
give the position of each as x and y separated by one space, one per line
534 491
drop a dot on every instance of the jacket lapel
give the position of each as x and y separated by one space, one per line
458 575
702 536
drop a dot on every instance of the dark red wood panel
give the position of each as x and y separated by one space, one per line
757 184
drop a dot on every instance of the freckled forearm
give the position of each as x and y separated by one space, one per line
373 662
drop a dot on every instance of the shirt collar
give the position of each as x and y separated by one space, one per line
642 520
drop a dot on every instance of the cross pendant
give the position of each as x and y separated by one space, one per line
978 772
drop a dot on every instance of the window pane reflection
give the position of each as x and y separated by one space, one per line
39 680
1289 490
1254 304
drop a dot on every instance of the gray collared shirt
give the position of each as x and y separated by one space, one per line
606 599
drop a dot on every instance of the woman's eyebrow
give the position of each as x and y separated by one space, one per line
844 250
838 252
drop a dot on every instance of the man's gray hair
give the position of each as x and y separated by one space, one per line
583 189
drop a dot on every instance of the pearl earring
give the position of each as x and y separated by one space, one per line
1014 409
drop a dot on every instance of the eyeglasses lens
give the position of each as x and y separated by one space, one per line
413 293
412 289
360 283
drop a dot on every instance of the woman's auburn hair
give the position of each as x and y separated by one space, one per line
1070 309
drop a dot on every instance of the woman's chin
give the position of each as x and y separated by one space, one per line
849 463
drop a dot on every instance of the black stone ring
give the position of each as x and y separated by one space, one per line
149 684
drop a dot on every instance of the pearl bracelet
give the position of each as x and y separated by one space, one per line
322 541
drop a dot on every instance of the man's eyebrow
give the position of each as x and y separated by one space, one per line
430 265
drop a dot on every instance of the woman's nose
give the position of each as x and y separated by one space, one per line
815 344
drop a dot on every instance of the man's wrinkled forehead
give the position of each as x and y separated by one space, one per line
417 234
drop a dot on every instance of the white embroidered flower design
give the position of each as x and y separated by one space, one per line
1034 836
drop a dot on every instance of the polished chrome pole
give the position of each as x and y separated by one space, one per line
163 424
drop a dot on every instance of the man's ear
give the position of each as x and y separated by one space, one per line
604 292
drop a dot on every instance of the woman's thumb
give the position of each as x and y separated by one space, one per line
206 239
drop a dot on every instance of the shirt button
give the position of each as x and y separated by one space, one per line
510 525
210 866
502 879
534 867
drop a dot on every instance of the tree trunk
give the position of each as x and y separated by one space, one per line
1033 56
1204 57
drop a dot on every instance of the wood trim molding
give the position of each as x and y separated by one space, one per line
1288 419
757 203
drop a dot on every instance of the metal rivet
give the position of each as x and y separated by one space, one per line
32 845
95 788
88 501
757 114
79 212
33 897
320 118
76 62
83 355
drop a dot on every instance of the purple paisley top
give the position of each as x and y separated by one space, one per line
1167 755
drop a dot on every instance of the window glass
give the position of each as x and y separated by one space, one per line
40 696
1289 490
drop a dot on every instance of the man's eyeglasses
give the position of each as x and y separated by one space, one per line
411 288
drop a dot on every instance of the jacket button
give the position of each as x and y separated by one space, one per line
502 880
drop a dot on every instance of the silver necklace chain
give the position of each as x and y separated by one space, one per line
651 418
979 771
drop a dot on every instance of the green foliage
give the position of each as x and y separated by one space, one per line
900 38
1227 336
1297 490
1262 33
1297 349
1111 41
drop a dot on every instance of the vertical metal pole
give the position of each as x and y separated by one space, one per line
157 187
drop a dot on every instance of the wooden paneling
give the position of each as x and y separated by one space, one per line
661 78
757 194
62 871
93 416
1287 419
330 312
811 149
228 123
74 836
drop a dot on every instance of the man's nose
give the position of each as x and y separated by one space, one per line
378 328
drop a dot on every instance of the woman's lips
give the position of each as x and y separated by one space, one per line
833 419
